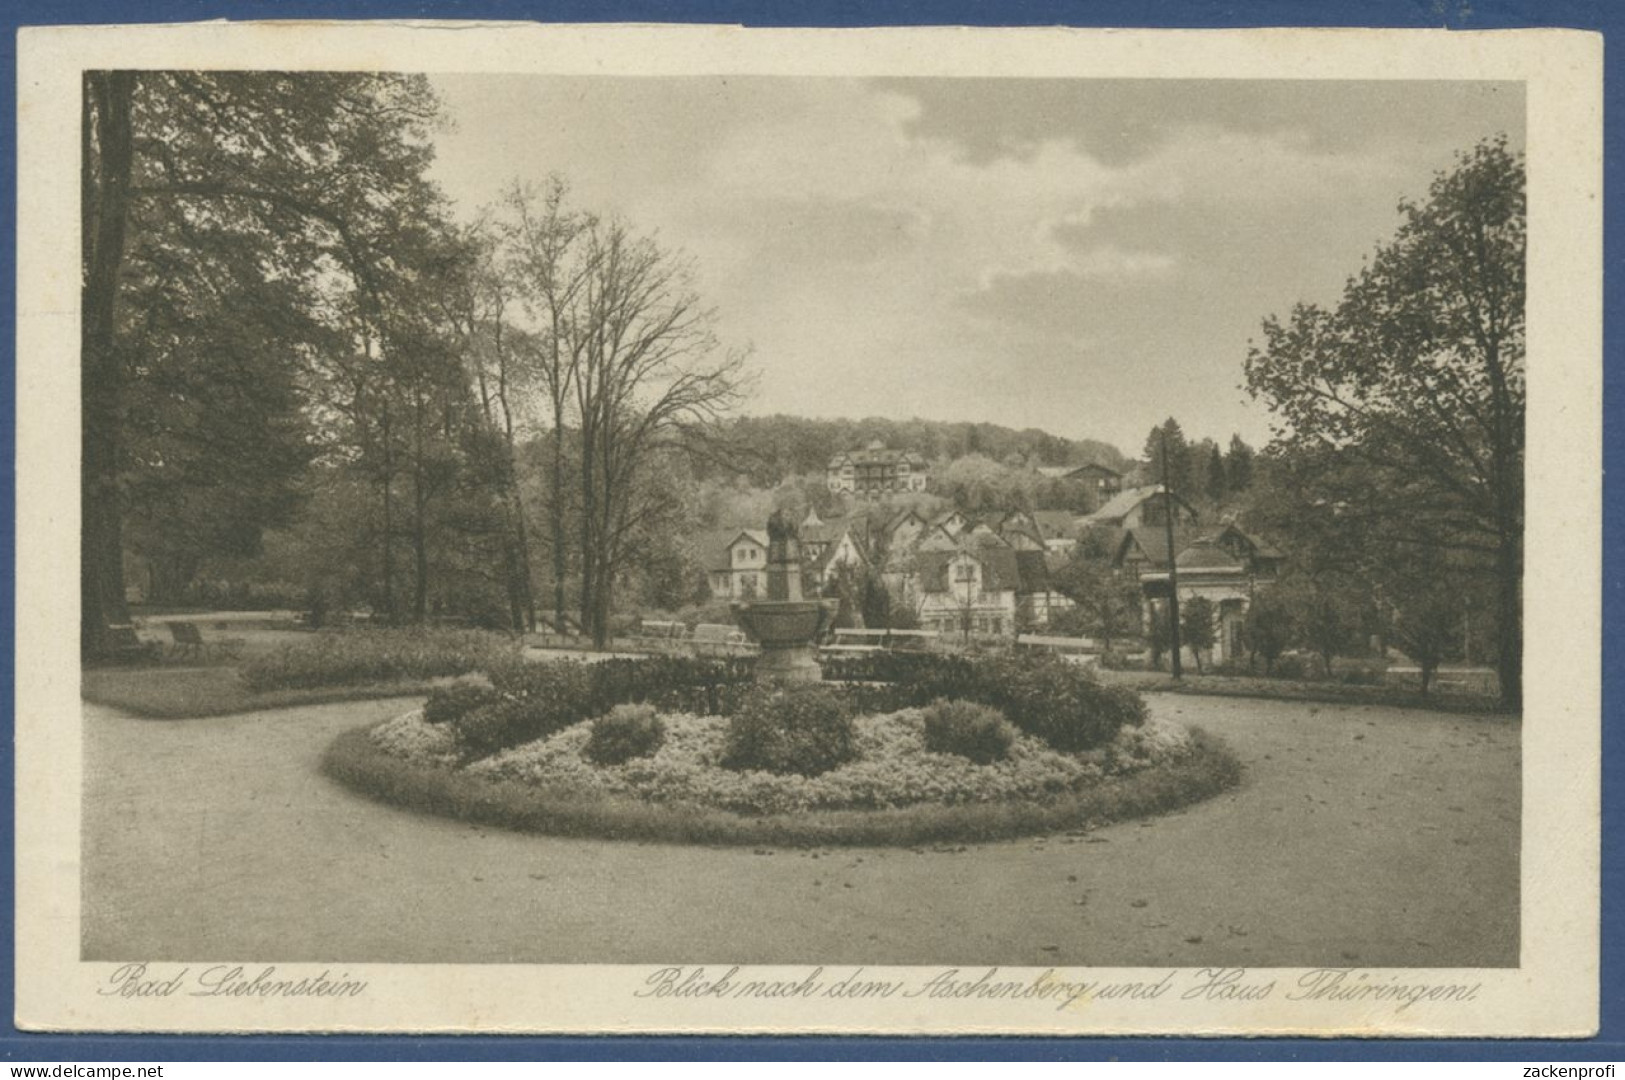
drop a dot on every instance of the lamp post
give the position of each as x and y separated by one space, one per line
1173 570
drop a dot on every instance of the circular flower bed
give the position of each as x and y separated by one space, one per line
699 753
891 768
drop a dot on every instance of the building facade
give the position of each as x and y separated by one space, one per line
736 564
876 470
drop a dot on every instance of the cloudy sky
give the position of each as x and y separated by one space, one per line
1084 256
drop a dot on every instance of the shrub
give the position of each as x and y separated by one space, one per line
624 733
711 685
549 697
447 703
496 726
802 729
1289 667
972 731
1059 702
345 658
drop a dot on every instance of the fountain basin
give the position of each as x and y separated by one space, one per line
787 631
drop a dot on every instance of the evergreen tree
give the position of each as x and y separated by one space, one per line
1238 465
1217 482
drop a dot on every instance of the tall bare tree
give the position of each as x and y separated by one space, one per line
550 261
652 379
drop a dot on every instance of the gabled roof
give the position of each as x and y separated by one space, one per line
899 519
714 545
1120 505
822 561
1206 555
831 531
1200 549
1056 524
936 538
1151 541
1002 569
1093 468
876 454
982 535
1013 533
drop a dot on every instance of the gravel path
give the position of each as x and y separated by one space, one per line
1360 836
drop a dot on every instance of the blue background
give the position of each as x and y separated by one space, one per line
1454 14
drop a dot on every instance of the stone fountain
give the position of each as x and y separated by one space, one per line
785 625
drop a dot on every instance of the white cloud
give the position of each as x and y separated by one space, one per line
879 271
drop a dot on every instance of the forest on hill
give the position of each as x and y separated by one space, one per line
767 449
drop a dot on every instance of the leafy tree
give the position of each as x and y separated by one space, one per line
1196 629
306 170
874 600
1325 611
1161 632
216 440
1109 606
1268 629
1425 608
1414 383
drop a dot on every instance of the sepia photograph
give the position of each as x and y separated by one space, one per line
887 543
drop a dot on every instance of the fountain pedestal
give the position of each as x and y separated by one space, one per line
785 625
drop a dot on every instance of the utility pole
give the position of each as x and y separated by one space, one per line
1173 571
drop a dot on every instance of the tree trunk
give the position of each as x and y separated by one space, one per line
389 518
516 601
589 560
1509 616
105 183
171 576
601 597
556 516
420 527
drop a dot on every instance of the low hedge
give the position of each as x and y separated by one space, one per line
350 657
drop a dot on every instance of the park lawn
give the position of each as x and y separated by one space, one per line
1325 691
160 693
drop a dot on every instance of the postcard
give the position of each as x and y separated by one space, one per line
631 529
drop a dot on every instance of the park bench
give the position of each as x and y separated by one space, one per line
1081 650
660 635
852 641
122 644
552 633
711 639
189 643
910 640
